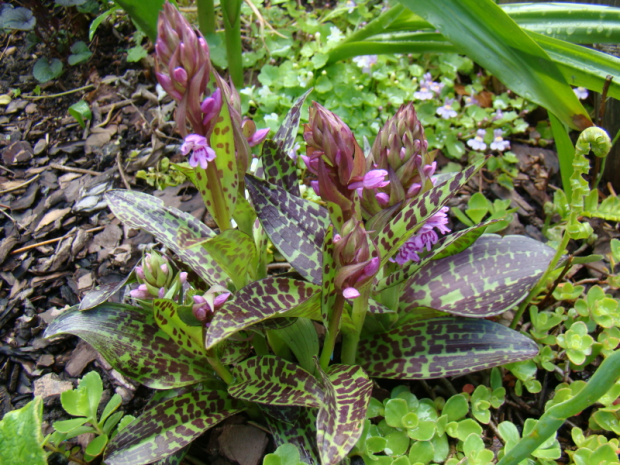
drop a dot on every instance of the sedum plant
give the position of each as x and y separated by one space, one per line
373 262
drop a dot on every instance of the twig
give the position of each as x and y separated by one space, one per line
62 94
52 241
24 184
119 163
6 169
70 169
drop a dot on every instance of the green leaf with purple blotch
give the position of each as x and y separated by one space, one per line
274 381
484 280
103 292
169 426
299 429
328 292
447 245
339 423
166 315
268 298
143 211
440 347
278 165
130 340
416 212
223 142
295 226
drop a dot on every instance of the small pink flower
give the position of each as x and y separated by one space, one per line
350 293
374 179
142 292
202 154
258 137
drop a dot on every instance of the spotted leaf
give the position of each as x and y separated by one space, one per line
130 340
440 347
274 381
166 315
299 428
143 211
416 212
295 226
486 279
103 292
169 426
339 423
267 298
447 245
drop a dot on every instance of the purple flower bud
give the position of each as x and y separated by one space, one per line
220 299
141 292
374 179
211 106
350 293
258 137
162 292
164 268
383 199
183 277
180 75
140 272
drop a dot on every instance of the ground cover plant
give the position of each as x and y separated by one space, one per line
379 286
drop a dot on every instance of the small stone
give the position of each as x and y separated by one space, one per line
81 356
51 385
31 108
40 146
243 444
45 360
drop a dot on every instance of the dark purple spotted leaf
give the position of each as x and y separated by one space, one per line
441 347
484 280
166 315
298 429
328 292
447 245
415 213
103 293
169 426
233 350
286 135
143 211
295 226
268 298
339 423
274 381
130 340
174 459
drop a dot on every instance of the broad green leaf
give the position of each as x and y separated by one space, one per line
295 226
84 400
447 245
169 426
143 211
21 437
259 301
66 426
144 14
566 150
339 423
235 252
166 315
81 112
274 381
96 446
278 165
103 292
441 347
45 70
485 33
301 337
130 340
415 213
484 280
608 209
299 431
19 19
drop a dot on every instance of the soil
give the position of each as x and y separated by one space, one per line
60 240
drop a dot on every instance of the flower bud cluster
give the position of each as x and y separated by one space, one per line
355 264
157 279
204 306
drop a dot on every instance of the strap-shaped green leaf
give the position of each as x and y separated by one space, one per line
258 301
102 293
143 211
278 165
166 315
130 340
447 245
339 423
484 280
440 347
274 381
169 426
295 226
414 214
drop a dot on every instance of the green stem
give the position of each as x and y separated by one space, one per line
259 342
602 381
219 367
232 30
61 94
332 332
542 282
351 340
220 212
206 16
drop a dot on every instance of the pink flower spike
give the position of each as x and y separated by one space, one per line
201 152
350 293
258 137
372 180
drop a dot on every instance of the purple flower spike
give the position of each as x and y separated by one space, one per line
202 154
374 179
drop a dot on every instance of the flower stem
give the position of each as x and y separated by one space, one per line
360 307
219 367
332 332
220 212
206 16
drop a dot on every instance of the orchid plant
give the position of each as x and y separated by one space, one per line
374 265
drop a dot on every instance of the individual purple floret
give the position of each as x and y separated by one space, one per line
499 143
201 153
424 238
205 306
446 111
581 93
365 62
477 143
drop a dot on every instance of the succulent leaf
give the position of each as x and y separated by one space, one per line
169 426
440 347
274 381
143 211
415 213
259 301
339 423
486 279
294 225
130 340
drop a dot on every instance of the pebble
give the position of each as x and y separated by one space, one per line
51 385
